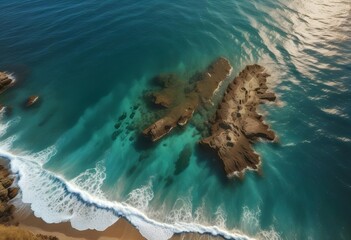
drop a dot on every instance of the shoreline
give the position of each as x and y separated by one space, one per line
24 221
120 230
125 227
20 218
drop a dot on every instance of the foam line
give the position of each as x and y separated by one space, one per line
55 200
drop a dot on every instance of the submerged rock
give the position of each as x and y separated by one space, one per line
171 90
187 103
122 117
183 160
115 134
131 116
118 125
238 125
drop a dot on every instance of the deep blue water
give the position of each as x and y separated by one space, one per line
90 62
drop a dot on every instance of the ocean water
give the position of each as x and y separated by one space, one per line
91 62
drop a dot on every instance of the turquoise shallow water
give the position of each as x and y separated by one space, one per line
90 62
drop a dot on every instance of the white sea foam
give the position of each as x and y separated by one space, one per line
221 218
140 197
43 156
55 200
81 200
344 139
91 180
4 127
181 212
199 214
250 223
11 76
285 88
271 234
334 111
250 220
291 144
6 144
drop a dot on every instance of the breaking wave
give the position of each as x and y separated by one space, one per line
82 202
55 200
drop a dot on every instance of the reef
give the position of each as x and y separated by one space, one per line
237 125
181 105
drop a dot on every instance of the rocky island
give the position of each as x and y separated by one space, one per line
182 105
237 124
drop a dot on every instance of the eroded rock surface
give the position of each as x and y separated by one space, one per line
6 194
237 124
7 230
183 105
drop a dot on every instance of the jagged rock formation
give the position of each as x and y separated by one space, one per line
5 82
238 125
6 194
183 105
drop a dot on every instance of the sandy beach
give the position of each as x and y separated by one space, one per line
121 230
23 221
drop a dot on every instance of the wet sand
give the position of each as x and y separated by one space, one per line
121 230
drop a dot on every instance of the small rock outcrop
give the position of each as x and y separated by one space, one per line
6 81
181 107
32 100
238 125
